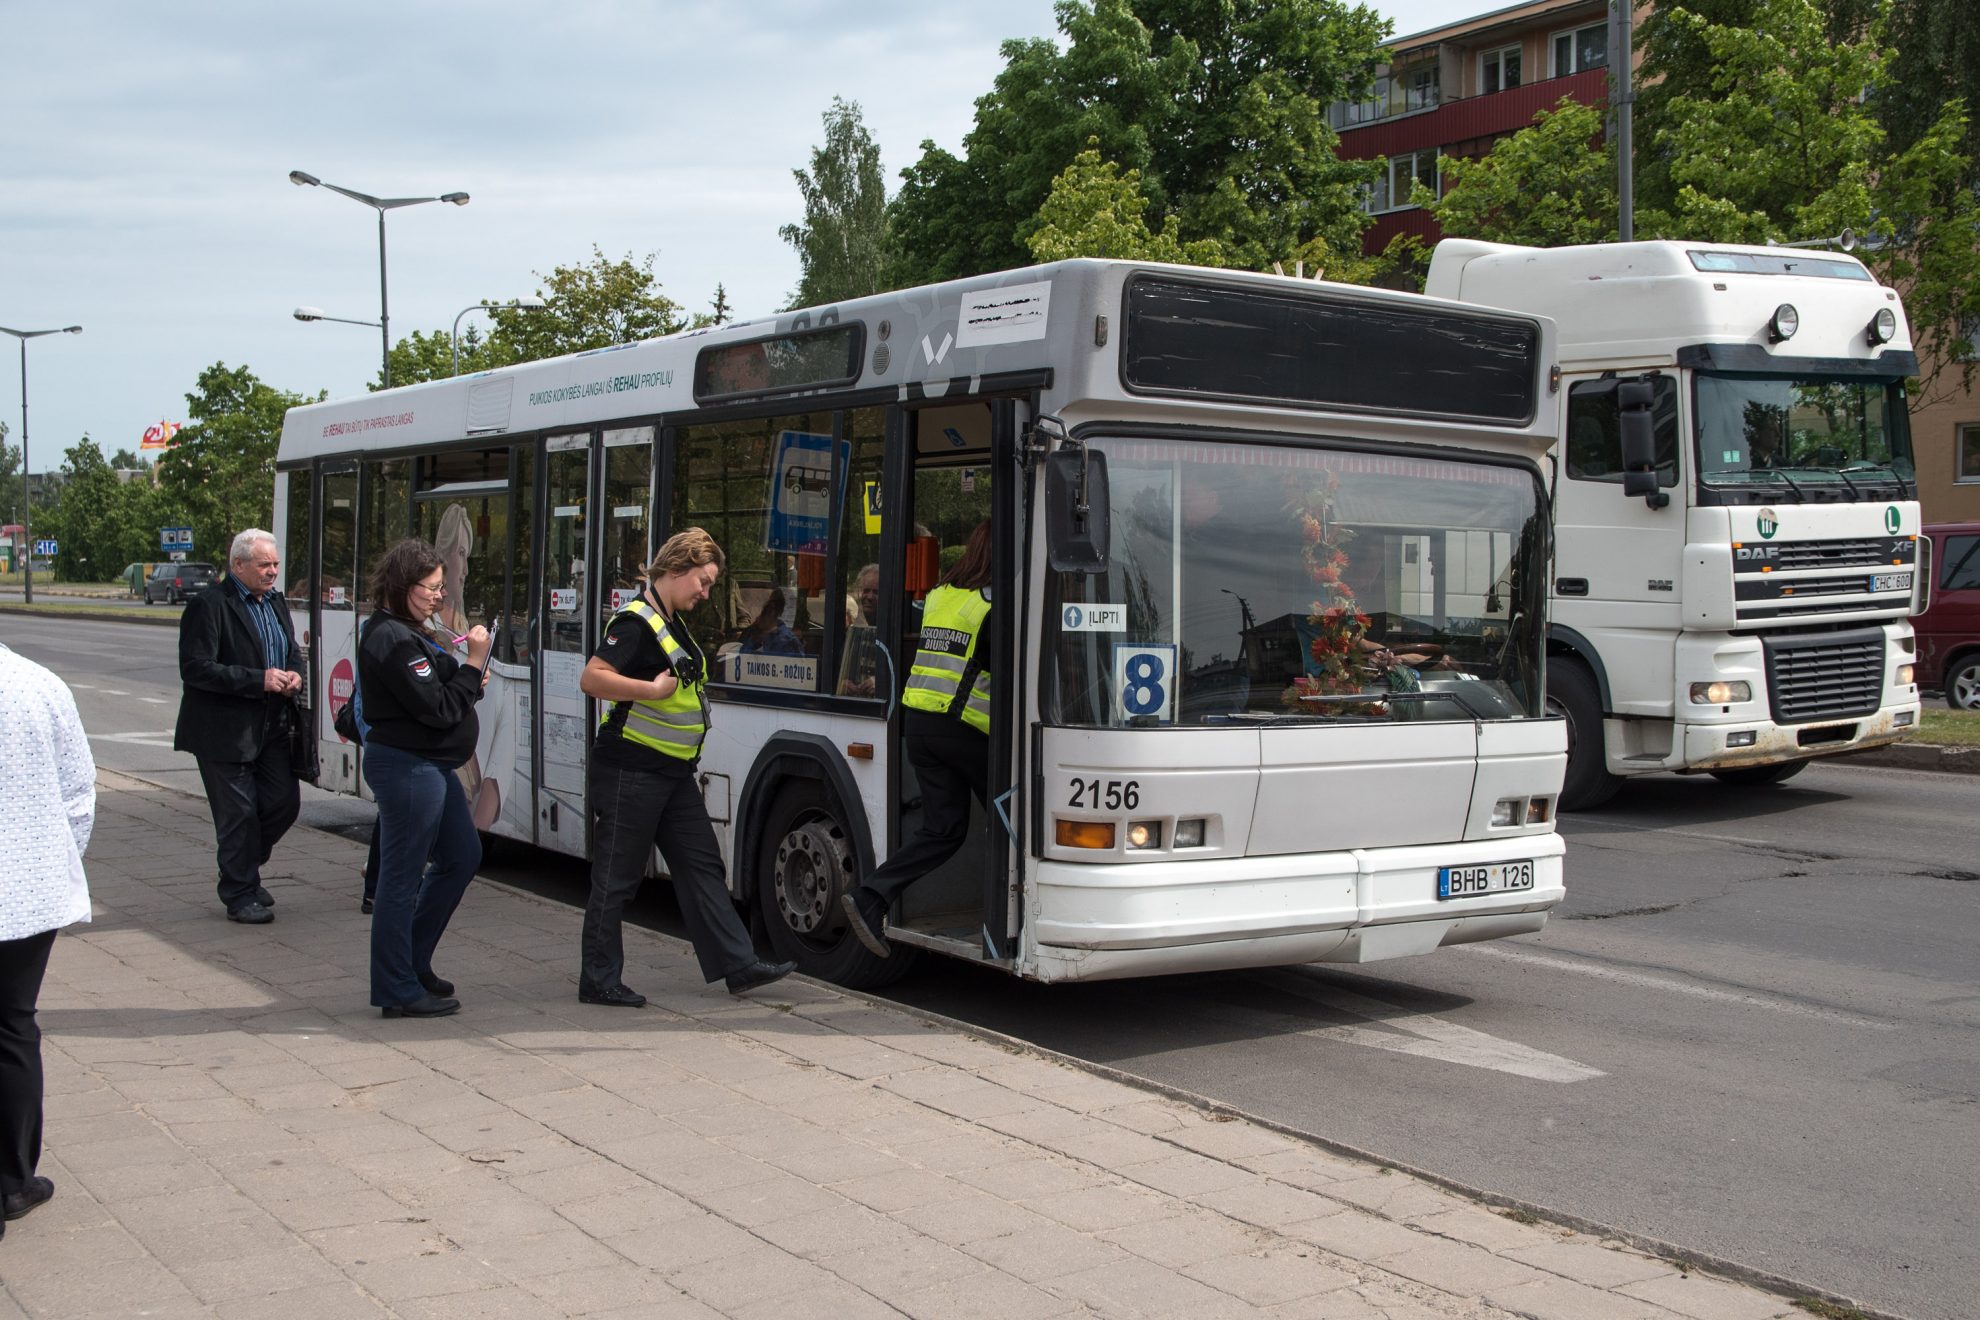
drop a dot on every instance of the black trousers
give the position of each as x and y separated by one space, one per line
632 811
253 803
952 761
22 964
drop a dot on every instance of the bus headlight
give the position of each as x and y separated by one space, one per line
1906 674
1721 693
1506 812
1144 834
1085 834
1189 833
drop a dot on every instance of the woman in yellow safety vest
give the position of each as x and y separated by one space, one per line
945 731
643 790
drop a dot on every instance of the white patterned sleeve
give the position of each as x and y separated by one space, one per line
75 767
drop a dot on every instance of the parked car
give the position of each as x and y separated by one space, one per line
1949 629
172 583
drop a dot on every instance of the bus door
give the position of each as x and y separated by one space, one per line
950 494
567 608
334 652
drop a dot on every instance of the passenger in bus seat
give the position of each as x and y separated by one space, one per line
767 633
648 673
945 732
857 665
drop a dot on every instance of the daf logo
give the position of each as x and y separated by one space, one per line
1757 552
1769 523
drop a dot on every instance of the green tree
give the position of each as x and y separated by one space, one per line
91 522
845 214
1779 139
1094 210
220 475
595 305
1219 104
1548 185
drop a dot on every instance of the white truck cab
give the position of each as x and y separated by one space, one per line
1737 549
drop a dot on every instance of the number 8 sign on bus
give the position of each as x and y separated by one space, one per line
1144 683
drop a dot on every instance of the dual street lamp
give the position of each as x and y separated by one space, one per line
380 205
27 492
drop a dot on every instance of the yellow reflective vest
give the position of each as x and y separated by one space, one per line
676 724
951 628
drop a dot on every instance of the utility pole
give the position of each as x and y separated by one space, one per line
1622 99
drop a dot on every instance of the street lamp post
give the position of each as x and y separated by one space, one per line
526 304
380 205
27 493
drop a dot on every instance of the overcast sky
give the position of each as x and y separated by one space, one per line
145 149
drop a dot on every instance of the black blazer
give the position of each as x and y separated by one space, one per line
224 712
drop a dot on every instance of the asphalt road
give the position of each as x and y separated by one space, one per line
1753 1031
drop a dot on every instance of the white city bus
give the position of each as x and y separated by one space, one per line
1270 574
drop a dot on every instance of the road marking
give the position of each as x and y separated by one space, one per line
156 701
115 692
82 687
1432 1037
162 738
1644 980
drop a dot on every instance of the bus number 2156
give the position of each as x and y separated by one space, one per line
1112 795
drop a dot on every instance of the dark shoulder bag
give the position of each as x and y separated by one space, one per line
303 759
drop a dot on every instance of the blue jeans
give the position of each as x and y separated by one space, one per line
423 816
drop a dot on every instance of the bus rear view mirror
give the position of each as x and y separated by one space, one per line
1076 524
1635 400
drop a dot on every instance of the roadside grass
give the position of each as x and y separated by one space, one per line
84 609
1951 728
1828 1310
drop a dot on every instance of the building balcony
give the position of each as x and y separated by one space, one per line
1469 120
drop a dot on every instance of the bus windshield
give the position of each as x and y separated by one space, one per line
1260 585
1796 432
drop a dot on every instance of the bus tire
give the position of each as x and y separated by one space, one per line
1761 774
1572 694
806 861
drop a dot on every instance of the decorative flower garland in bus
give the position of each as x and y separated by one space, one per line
1337 622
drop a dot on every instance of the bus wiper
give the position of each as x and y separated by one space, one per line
1374 698
1264 720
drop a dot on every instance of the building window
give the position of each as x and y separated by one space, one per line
1421 88
1391 189
1416 88
1500 70
1583 48
1966 452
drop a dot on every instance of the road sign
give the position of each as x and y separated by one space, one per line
46 549
174 538
801 491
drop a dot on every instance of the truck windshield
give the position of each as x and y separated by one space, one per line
1800 433
1259 585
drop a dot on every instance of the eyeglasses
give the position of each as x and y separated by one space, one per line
436 588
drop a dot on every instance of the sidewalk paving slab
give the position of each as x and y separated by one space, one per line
234 1132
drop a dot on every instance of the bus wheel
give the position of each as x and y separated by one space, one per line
806 861
1761 774
1572 694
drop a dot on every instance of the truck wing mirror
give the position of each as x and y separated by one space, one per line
1076 521
1635 401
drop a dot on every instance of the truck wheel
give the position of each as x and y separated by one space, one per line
1572 694
1963 684
1761 774
806 861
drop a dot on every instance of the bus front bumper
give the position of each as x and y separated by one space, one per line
1360 905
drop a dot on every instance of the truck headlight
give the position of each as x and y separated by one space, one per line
1906 675
1722 693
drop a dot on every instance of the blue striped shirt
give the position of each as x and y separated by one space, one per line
274 639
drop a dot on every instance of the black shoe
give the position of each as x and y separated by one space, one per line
250 914
866 915
423 1007
16 1204
758 973
616 996
263 897
435 986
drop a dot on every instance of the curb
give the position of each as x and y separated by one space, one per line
1935 757
1687 1260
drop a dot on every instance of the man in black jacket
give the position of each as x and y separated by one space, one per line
241 669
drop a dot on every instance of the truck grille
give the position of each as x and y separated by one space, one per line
1825 675
1862 552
